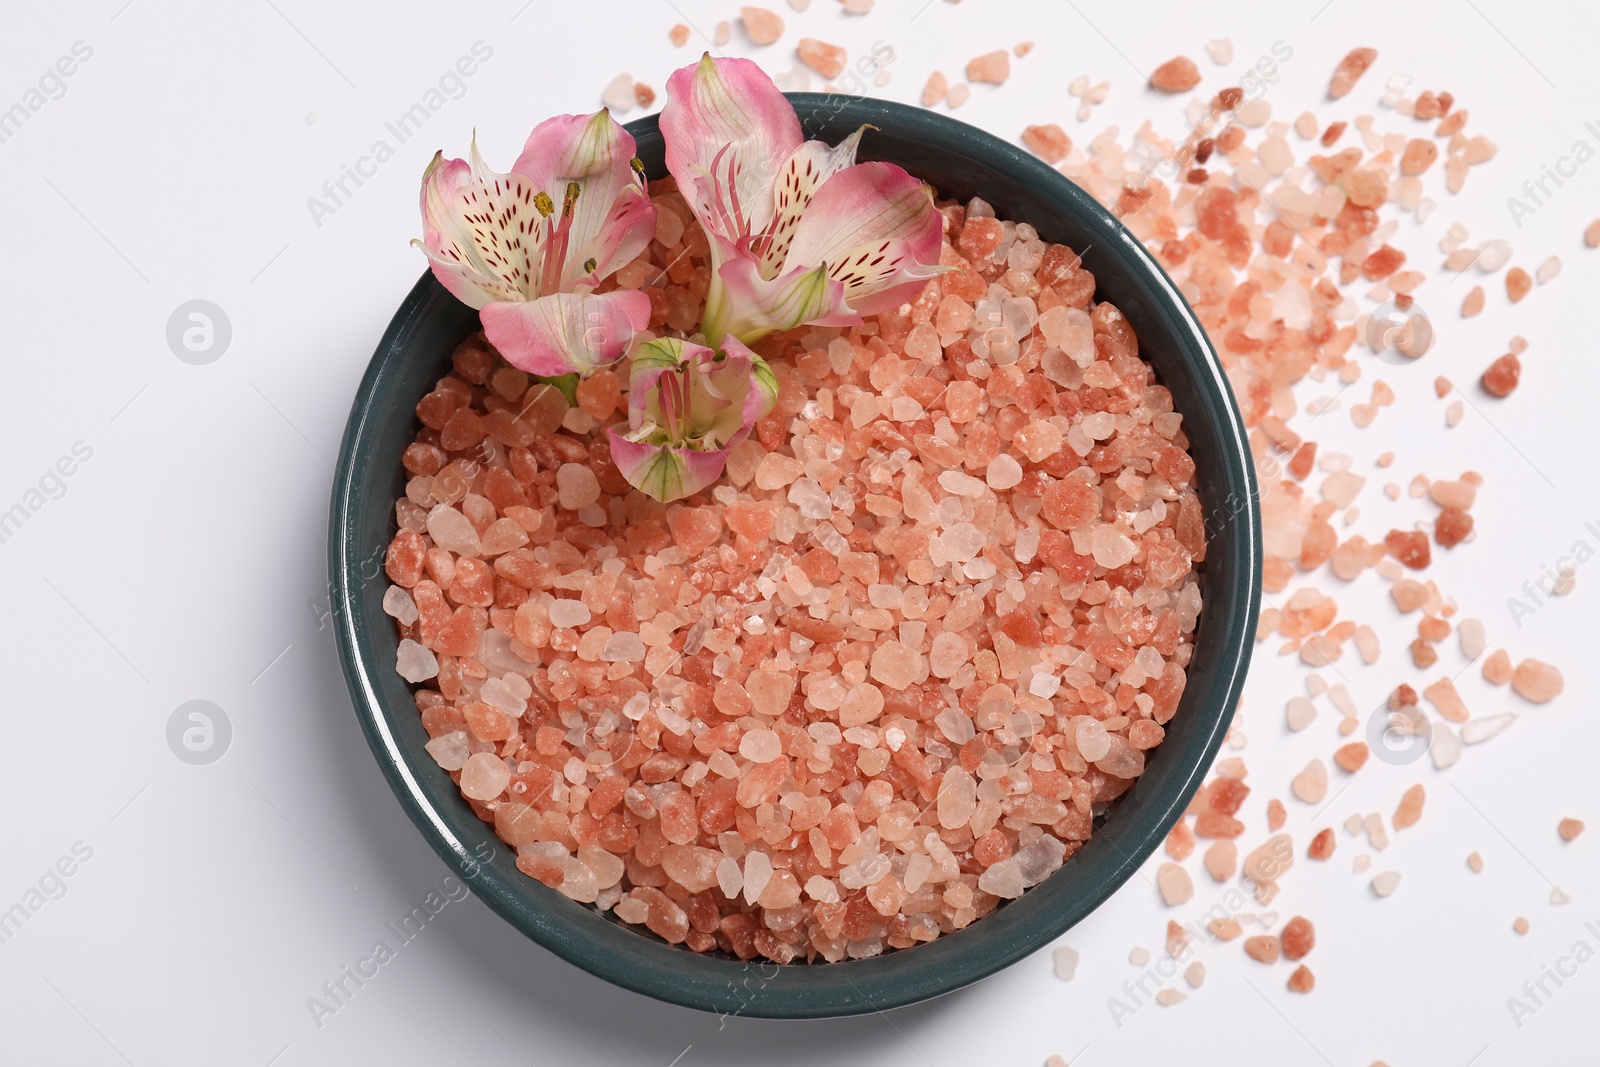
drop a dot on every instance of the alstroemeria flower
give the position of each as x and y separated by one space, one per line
529 248
800 232
687 406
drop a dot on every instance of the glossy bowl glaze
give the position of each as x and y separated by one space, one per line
959 161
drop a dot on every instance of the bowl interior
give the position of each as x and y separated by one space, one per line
960 161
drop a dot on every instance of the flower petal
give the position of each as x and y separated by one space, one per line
663 472
728 131
480 229
566 332
612 217
747 306
876 228
803 173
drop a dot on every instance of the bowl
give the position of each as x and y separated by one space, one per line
960 161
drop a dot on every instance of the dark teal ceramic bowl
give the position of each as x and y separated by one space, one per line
959 161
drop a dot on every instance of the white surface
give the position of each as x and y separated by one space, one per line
185 559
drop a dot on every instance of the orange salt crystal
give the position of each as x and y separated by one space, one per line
1497 668
1322 845
1591 234
763 26
1263 948
1419 155
1302 980
1180 841
1569 829
643 95
1452 527
935 89
1299 937
1501 379
1518 283
826 59
1352 757
991 67
1410 809
678 35
1177 75
1350 70
1410 547
1049 142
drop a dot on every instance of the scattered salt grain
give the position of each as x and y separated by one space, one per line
1480 730
1175 884
1386 883
618 94
1066 962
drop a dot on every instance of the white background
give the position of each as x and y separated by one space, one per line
185 560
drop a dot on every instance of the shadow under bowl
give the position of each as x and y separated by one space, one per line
959 161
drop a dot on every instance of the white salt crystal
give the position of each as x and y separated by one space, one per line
397 604
1483 729
449 750
415 663
618 94
1066 961
569 613
1386 883
624 646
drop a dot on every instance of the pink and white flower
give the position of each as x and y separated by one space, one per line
688 405
530 247
800 232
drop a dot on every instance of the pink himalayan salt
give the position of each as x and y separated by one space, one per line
1536 681
763 26
992 67
645 575
826 59
1497 668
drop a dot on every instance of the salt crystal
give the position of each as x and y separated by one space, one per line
569 613
576 486
1003 472
961 484
895 665
1559 896
397 604
1479 730
484 776
1493 255
1003 879
1300 712
1066 962
415 663
1220 50
822 890
757 873
453 531
1139 956
618 94
449 750
1444 747
1386 883
624 646
962 542
1168 997
500 693
957 798
1175 884
1311 784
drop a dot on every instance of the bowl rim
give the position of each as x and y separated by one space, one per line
713 983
